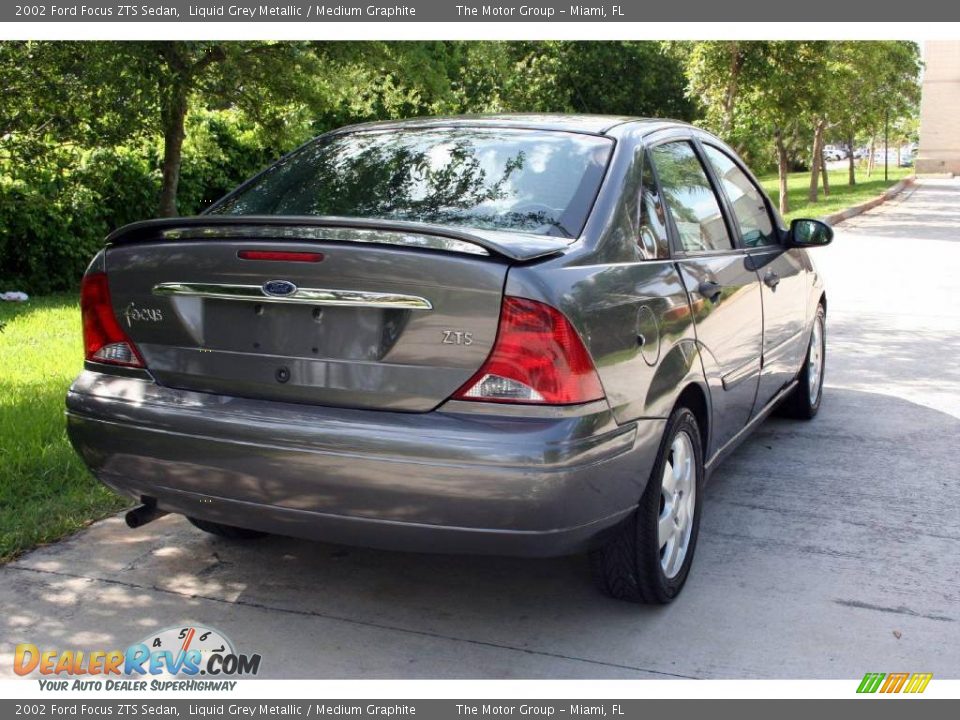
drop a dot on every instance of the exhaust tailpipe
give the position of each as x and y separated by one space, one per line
143 514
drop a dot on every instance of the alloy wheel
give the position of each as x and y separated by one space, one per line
678 495
815 361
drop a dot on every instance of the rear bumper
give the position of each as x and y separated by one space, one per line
444 481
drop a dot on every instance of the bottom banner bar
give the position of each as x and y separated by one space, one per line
450 709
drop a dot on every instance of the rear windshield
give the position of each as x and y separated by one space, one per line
488 178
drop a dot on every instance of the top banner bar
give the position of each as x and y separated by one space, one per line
300 11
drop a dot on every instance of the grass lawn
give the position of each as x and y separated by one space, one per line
45 491
841 195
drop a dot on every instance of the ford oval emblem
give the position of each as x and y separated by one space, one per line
278 288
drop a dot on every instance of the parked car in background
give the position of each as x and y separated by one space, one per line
890 157
517 335
833 152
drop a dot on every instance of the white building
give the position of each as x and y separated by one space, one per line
939 150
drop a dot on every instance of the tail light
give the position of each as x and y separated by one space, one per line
538 358
104 340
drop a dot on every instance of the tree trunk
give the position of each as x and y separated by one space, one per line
175 84
173 115
815 162
730 101
870 159
782 170
853 163
824 173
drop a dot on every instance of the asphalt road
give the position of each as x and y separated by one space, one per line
828 549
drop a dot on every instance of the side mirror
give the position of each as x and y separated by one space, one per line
809 233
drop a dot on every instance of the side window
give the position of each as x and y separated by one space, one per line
745 198
652 234
693 205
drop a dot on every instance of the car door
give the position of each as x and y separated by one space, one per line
783 273
723 288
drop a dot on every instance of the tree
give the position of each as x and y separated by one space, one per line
102 93
219 73
786 91
612 78
49 97
715 70
773 95
818 165
286 88
96 134
869 82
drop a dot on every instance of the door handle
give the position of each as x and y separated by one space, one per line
771 280
710 290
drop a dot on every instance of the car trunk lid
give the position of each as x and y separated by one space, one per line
354 314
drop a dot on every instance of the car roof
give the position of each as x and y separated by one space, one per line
581 123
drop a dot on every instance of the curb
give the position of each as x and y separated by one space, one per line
839 217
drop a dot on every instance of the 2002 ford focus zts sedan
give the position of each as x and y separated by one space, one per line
517 335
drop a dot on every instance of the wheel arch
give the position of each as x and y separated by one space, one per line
694 398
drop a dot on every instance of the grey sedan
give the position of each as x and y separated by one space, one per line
520 335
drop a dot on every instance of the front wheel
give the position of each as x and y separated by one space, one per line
804 401
648 558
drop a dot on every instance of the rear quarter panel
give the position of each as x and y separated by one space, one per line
611 306
613 296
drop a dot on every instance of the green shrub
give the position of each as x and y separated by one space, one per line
220 152
55 212
53 219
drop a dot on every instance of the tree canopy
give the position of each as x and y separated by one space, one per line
97 134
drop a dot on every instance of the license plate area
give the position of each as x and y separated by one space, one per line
302 330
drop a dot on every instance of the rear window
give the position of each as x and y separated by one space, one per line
487 178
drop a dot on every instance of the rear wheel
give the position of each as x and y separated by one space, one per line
225 531
648 558
804 401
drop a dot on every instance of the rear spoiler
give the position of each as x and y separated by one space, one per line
514 246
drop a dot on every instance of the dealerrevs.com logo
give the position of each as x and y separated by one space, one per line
171 659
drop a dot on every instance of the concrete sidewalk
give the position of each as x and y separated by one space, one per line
828 549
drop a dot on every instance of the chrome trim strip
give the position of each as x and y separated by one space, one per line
320 234
312 296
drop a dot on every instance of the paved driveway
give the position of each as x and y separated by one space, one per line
828 549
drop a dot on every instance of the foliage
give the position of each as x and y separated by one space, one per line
96 134
864 101
771 99
614 78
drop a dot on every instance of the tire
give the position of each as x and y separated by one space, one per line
804 402
633 565
226 531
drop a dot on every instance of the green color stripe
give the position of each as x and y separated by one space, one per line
871 682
